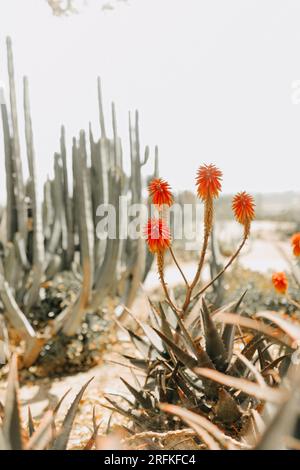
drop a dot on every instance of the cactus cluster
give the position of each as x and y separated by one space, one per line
41 240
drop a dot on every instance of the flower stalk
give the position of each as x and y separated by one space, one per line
243 209
160 268
158 237
208 183
157 231
178 266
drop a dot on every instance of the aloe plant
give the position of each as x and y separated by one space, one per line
189 369
214 368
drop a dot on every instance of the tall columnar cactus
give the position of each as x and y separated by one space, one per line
67 202
11 215
86 236
16 153
38 238
106 272
135 253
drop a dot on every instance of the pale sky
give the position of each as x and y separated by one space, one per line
212 80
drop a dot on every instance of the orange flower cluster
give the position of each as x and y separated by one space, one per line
157 231
208 182
158 235
160 192
295 241
243 207
280 282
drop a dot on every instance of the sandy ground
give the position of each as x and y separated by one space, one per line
44 394
261 254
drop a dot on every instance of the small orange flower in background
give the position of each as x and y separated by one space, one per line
158 235
243 207
295 241
208 182
280 282
160 191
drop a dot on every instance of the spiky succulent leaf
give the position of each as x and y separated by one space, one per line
61 440
214 344
12 426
